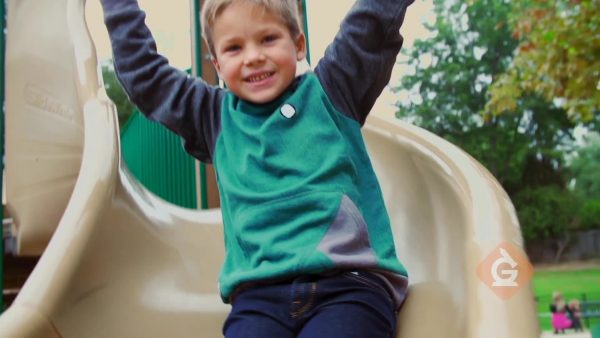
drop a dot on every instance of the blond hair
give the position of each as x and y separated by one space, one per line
286 10
574 305
558 301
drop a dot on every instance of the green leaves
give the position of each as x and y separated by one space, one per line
585 169
116 93
550 213
518 133
558 57
453 69
590 215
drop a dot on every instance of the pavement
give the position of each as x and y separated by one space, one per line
585 334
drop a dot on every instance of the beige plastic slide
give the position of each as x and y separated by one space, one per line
44 122
124 263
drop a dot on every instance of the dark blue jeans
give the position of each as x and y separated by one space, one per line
345 305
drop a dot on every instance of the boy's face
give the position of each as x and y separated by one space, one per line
254 52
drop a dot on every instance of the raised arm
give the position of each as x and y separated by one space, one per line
358 64
186 105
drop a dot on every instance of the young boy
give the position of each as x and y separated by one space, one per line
309 249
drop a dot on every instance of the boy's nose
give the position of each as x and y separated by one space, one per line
253 55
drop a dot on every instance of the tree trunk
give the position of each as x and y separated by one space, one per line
562 243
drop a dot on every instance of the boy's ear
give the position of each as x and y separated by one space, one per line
215 63
300 47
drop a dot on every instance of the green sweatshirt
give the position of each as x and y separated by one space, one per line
298 192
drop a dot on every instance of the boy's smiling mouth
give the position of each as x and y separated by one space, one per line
258 77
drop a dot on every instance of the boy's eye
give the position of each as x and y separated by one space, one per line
231 48
270 38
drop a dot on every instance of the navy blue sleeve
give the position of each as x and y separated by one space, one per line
358 64
186 105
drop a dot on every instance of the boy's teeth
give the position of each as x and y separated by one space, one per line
258 77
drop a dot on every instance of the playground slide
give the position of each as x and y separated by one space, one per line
124 263
44 122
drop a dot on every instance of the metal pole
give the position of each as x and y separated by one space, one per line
2 41
584 300
305 17
197 71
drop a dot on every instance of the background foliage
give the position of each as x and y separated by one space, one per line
558 57
525 134
115 92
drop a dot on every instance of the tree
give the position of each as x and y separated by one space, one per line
551 215
585 169
558 57
590 215
472 45
115 92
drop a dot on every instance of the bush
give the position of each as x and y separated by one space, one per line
116 93
589 215
546 212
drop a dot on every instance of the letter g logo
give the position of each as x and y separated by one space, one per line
508 277
505 270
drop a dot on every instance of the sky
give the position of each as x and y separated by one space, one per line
170 21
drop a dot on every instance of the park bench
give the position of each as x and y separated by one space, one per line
590 309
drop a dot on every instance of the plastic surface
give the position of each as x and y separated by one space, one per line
123 263
44 121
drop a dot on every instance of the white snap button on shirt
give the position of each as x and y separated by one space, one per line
288 110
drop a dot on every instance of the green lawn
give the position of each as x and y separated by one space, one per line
571 283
